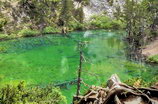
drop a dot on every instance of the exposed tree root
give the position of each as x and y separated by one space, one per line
118 93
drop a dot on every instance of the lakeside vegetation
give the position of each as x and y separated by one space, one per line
96 22
19 94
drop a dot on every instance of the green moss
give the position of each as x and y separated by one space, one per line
28 33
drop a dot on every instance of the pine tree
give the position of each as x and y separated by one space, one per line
138 19
66 12
79 14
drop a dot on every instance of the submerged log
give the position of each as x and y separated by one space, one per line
66 83
118 93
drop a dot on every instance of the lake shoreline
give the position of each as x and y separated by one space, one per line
55 34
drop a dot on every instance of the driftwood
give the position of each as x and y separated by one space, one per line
118 93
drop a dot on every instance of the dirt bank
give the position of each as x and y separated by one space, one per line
151 49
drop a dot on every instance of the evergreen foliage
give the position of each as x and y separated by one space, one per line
79 15
66 12
138 20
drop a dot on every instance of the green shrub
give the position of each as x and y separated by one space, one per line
50 29
28 33
154 33
105 22
3 36
117 24
100 22
6 36
13 36
86 2
21 95
74 25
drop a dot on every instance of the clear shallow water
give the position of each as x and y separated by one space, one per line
51 59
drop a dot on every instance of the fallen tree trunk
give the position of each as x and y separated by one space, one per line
118 93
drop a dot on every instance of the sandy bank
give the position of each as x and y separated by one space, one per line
151 49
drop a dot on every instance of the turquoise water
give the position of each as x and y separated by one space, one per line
55 59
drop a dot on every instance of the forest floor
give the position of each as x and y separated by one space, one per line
151 49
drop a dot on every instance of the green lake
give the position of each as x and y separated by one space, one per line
55 59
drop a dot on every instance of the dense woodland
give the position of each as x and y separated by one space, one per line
30 18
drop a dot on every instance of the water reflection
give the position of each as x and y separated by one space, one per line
107 46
